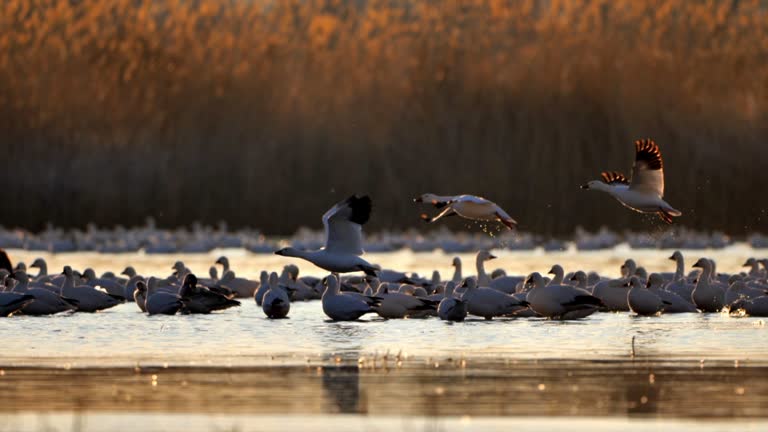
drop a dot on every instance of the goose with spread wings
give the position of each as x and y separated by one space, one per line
467 206
644 192
343 239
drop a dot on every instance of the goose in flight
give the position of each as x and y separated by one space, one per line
343 239
467 206
644 192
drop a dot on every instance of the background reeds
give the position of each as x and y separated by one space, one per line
263 113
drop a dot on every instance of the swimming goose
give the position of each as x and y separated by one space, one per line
11 302
642 300
708 296
277 302
111 287
89 299
47 302
456 263
299 291
673 303
613 293
560 301
644 192
505 284
343 239
467 206
199 299
396 305
451 308
340 306
163 303
754 307
240 287
488 302
558 275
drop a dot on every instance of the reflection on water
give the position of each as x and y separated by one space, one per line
414 388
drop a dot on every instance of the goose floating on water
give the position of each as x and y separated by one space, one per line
644 192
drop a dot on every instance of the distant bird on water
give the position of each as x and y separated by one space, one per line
466 206
644 192
343 239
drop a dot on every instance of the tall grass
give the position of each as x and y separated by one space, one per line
265 112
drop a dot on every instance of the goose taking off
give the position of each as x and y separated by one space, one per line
343 239
466 206
644 192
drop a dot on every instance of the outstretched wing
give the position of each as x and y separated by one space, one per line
648 171
613 177
344 225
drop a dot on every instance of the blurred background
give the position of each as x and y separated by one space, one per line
264 113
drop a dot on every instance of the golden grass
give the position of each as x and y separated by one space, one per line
115 109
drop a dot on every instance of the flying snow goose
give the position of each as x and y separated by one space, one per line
451 308
560 301
343 239
644 192
467 206
340 306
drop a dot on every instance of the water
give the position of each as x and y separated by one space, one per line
236 370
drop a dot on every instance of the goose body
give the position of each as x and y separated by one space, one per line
467 206
560 301
708 296
396 305
642 300
451 308
340 306
489 303
276 303
11 302
343 239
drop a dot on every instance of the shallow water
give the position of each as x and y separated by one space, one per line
236 370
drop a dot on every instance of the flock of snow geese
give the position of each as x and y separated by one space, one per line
392 294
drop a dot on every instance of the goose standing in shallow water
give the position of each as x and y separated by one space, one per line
451 308
708 296
89 299
467 206
673 303
340 306
560 301
47 302
343 239
644 192
277 302
642 300
488 302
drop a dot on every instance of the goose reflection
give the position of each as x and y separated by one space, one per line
341 388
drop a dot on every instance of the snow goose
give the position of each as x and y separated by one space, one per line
558 275
263 287
47 302
708 296
200 299
343 239
130 288
396 305
129 271
467 206
643 301
240 287
560 301
140 294
456 263
754 268
299 291
754 307
89 299
488 302
42 275
11 302
223 261
673 303
739 290
451 308
340 306
644 192
277 301
163 303
613 293
580 278
110 286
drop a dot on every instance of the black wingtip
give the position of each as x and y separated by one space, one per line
361 208
647 151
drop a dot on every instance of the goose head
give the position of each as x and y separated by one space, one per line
654 280
751 262
427 198
579 276
628 268
498 273
596 185
456 262
40 263
469 283
19 275
293 271
288 252
223 261
68 272
129 271
676 256
534 280
485 255
89 274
